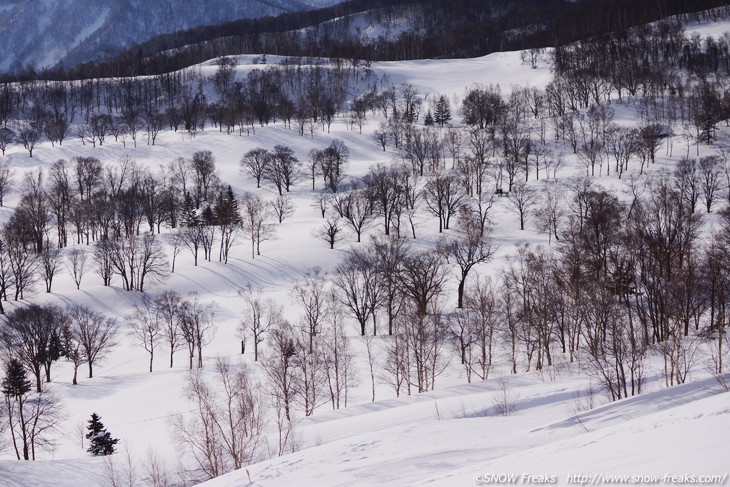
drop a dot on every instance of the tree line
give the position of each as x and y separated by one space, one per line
464 28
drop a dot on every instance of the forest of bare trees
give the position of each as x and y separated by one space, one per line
628 270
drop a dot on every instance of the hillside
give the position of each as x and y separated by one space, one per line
568 412
42 34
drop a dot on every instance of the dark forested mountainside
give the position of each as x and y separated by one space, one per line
42 34
430 29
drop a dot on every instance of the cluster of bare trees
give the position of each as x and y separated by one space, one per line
624 278
125 110
33 339
386 279
40 335
225 430
119 210
175 323
307 363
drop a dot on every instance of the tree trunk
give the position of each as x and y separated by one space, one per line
23 430
462 281
37 371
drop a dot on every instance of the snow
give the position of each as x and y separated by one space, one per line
441 438
409 444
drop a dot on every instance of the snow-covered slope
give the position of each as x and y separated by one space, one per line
452 438
446 437
44 32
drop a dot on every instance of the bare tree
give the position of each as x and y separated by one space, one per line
204 175
6 178
21 258
313 165
139 259
396 364
382 135
389 255
95 333
311 295
255 163
197 326
337 357
167 305
103 259
283 206
30 136
256 214
443 196
225 430
360 289
61 199
50 263
522 199
687 180
330 231
32 419
424 336
7 137
333 161
485 315
422 279
279 361
355 208
72 349
260 316
193 236
283 169
467 250
386 191
550 211
712 180
76 265
308 361
147 326
321 203
177 242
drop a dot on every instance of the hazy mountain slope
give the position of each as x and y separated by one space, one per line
44 32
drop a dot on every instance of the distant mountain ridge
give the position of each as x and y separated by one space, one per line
43 33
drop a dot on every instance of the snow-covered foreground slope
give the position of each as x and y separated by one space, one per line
453 438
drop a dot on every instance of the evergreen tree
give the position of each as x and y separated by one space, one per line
208 217
15 384
429 119
52 353
189 215
101 440
226 208
442 112
15 388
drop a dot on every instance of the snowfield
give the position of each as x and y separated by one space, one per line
563 428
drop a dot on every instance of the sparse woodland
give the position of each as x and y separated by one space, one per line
627 270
